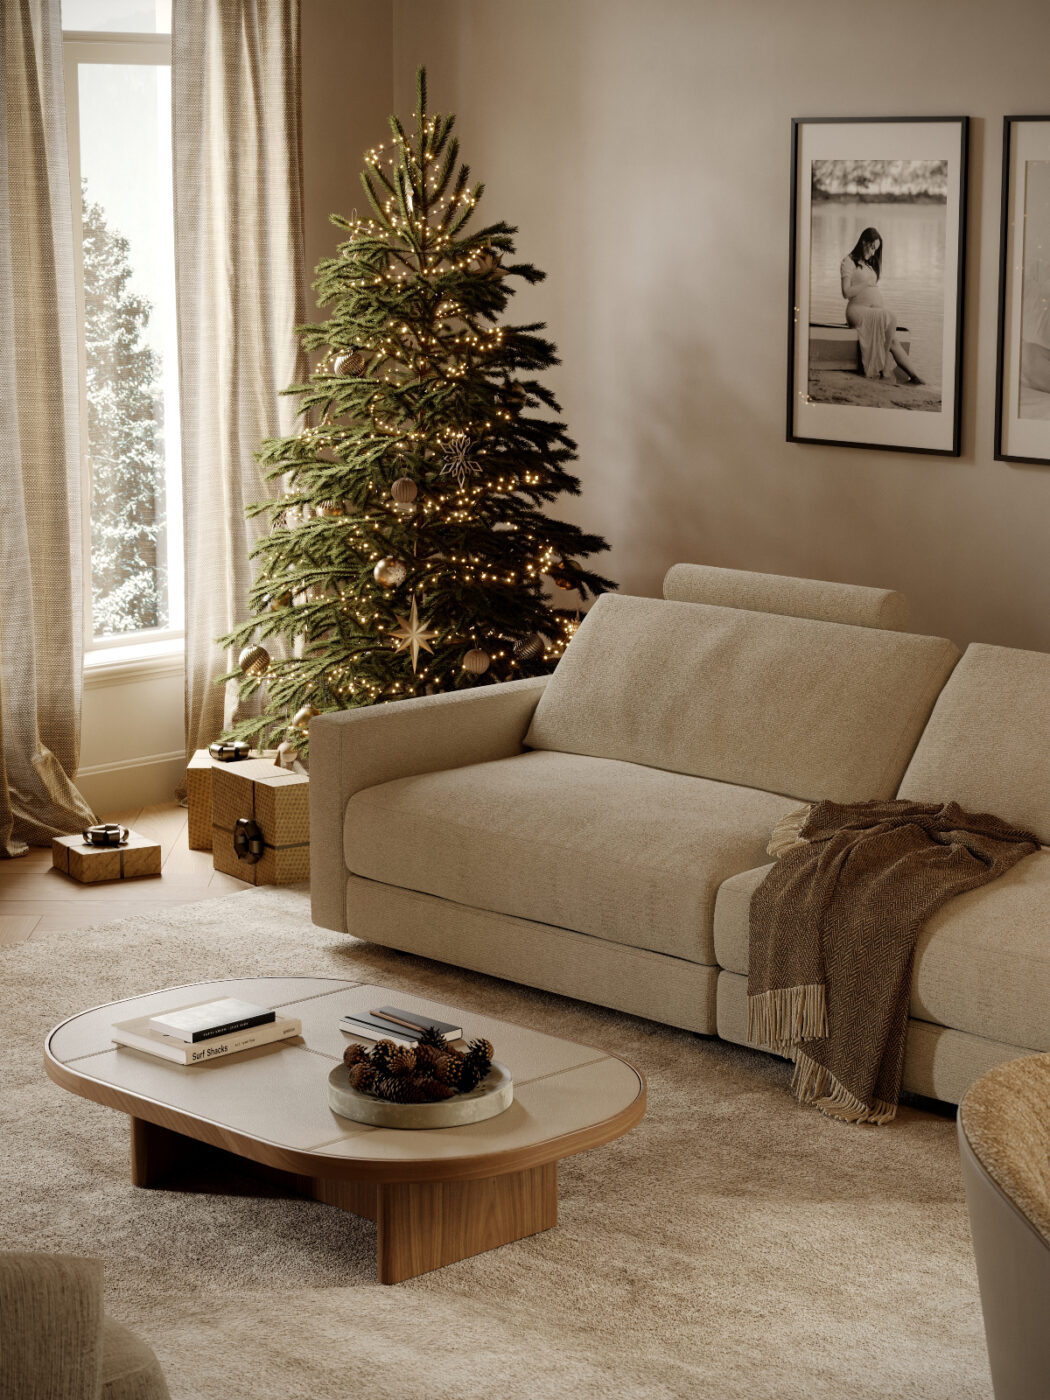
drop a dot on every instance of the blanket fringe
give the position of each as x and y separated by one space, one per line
780 1018
813 1083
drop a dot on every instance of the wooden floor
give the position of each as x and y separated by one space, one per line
35 899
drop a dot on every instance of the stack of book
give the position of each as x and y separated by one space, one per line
392 1023
192 1035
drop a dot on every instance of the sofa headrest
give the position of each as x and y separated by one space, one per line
987 745
791 597
809 709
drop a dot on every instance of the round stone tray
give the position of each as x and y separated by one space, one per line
493 1095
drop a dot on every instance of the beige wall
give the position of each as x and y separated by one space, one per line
643 150
347 62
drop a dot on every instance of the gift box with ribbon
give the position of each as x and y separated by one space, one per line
106 852
260 822
198 787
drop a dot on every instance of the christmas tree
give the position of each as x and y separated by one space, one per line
408 551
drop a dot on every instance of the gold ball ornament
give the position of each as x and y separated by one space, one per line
331 507
404 490
528 648
280 600
350 362
389 572
301 719
476 661
254 660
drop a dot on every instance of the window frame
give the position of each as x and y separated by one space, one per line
115 48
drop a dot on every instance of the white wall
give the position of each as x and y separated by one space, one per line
644 150
132 747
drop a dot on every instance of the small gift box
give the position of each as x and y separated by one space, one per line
260 822
108 852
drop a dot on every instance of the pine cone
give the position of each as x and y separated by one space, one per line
432 1036
383 1053
483 1048
394 1090
362 1078
427 1056
355 1055
449 1070
471 1075
432 1090
403 1061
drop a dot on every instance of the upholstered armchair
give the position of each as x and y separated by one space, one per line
56 1343
1004 1139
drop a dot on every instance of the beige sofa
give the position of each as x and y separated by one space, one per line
598 833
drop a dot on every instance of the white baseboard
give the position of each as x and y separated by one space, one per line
133 782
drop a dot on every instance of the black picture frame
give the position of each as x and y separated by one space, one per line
851 411
1022 433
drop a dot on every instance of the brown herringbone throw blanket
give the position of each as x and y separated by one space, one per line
833 930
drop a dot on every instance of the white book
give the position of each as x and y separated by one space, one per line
203 1019
136 1034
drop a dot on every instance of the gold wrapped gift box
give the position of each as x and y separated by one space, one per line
138 857
275 848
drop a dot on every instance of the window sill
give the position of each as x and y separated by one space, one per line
124 665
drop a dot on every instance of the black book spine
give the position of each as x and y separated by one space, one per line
263 1019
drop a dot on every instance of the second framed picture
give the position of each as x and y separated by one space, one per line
878 210
1022 415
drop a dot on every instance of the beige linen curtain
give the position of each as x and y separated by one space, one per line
239 270
41 590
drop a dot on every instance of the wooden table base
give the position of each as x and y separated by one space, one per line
422 1225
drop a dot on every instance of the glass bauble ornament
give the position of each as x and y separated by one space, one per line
404 490
389 572
476 661
528 648
350 362
254 660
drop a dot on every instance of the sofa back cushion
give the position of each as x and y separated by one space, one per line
808 709
987 745
791 597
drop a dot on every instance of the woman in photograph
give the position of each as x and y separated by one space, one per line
866 311
1035 327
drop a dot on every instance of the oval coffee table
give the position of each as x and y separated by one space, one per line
437 1195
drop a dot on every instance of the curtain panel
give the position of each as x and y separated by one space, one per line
41 580
240 289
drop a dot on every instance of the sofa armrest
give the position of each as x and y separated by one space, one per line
50 1326
356 749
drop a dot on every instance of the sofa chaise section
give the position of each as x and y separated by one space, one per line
981 976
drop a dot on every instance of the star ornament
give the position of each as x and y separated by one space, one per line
413 634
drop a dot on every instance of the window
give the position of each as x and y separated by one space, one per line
118 97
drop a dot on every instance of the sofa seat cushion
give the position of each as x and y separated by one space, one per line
634 855
982 963
810 709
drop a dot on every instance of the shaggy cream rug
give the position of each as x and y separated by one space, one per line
733 1245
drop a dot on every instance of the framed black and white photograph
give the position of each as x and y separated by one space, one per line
878 212
1022 410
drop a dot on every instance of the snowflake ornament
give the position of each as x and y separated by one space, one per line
458 461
